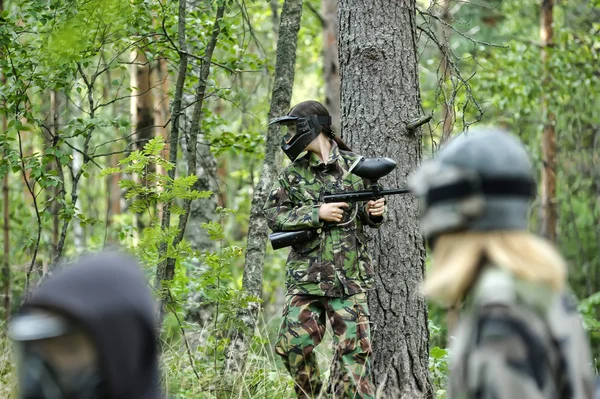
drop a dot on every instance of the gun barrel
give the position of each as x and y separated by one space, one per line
283 239
393 191
363 195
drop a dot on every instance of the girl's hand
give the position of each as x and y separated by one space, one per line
332 212
375 208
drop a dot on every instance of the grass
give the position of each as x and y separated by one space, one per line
264 377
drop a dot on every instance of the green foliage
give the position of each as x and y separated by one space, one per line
63 167
438 370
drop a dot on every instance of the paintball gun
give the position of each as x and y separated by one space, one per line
371 169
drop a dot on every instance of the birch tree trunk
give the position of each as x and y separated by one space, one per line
78 233
331 63
549 215
291 15
380 102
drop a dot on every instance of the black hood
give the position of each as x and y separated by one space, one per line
109 295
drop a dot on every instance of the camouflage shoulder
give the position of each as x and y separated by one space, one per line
296 171
349 157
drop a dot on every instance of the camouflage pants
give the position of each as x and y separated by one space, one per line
302 330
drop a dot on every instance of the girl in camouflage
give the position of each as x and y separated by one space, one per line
327 277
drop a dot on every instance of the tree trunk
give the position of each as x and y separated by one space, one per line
331 63
142 100
274 18
56 191
168 267
142 109
6 225
291 15
173 149
6 236
380 97
78 233
448 106
549 215
160 83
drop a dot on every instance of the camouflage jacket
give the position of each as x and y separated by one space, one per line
335 263
519 340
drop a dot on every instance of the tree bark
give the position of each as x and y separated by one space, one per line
291 15
6 277
448 106
380 97
331 63
142 100
160 83
274 18
142 110
6 218
549 214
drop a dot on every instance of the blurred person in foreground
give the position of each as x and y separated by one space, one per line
88 332
519 334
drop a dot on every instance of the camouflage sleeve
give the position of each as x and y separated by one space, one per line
506 360
282 215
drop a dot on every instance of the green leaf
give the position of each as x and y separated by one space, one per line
109 171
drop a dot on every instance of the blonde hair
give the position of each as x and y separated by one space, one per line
457 258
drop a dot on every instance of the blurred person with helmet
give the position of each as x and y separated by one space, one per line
519 334
89 332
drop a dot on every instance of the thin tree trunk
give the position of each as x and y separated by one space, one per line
55 98
209 167
331 63
448 106
168 267
549 215
6 217
380 98
160 81
275 18
6 277
89 81
113 191
174 139
78 235
142 99
291 15
142 109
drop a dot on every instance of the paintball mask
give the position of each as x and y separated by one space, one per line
480 181
56 358
299 132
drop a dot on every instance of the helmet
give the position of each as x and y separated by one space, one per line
481 180
301 131
56 357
